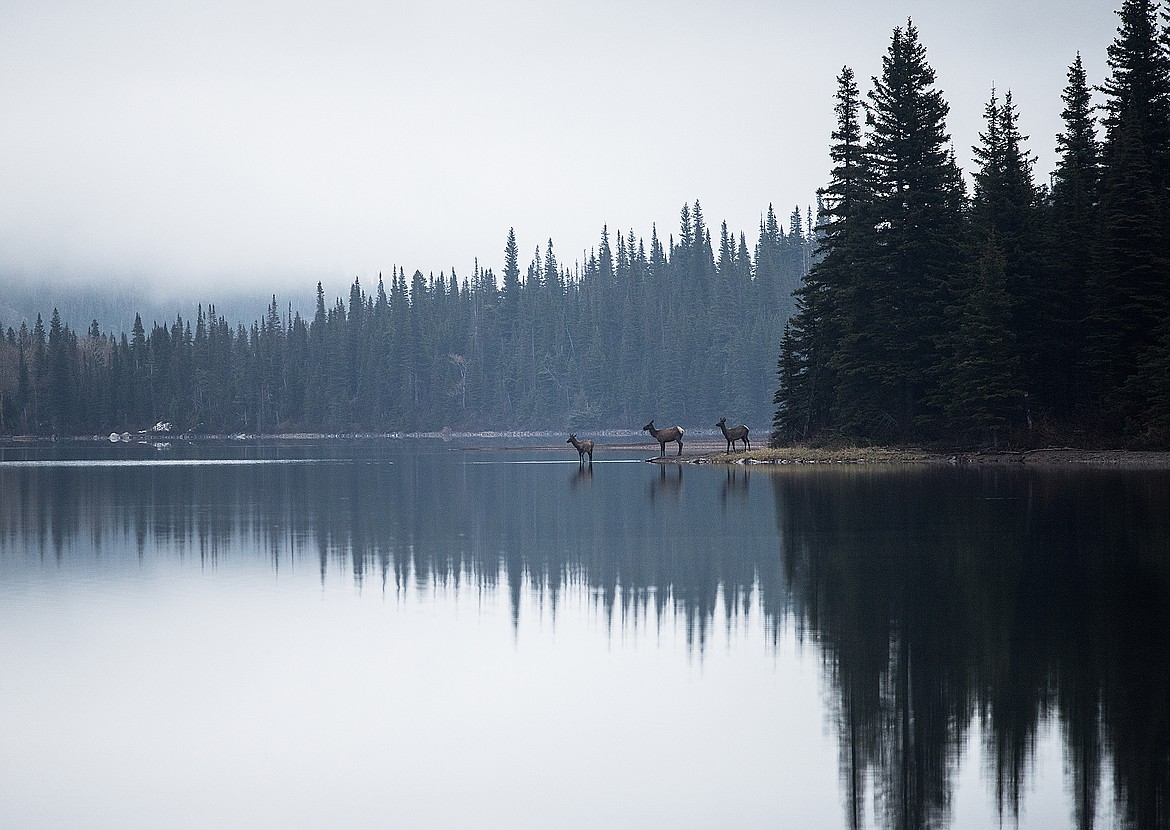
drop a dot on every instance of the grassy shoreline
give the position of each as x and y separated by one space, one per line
1052 456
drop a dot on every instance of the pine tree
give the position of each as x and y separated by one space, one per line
894 312
980 391
814 336
23 382
510 296
769 265
316 404
1005 215
421 327
1073 241
1132 298
60 383
789 423
296 370
140 380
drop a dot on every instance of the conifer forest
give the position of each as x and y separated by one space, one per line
1031 312
916 302
641 327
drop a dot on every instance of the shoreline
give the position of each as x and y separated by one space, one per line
703 449
1040 457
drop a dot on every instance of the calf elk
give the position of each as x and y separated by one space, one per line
582 447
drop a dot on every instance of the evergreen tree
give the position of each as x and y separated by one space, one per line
981 392
24 382
769 265
139 380
814 337
1132 298
917 214
1072 242
510 296
60 381
38 387
1005 216
788 422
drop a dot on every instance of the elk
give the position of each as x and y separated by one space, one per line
664 436
582 447
733 434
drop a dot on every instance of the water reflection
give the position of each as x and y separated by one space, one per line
422 523
667 485
947 596
735 486
583 475
944 604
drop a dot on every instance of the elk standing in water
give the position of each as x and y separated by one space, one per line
582 447
664 436
733 434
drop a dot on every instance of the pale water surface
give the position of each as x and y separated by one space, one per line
428 634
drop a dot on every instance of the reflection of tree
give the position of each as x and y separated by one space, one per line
891 638
937 595
408 523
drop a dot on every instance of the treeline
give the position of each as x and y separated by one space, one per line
1015 312
684 330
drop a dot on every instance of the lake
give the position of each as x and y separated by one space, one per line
418 633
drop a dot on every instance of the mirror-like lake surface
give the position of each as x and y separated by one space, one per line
428 634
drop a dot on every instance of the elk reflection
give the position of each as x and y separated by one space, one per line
667 485
583 475
736 484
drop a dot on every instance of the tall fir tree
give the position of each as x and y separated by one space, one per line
1005 217
981 392
1072 239
893 313
60 380
510 294
805 398
1132 297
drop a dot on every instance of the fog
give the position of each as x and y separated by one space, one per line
217 144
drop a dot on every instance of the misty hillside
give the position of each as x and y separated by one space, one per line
114 304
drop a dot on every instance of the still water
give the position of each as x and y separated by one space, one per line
440 635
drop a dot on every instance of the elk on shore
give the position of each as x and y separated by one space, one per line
664 436
733 434
582 447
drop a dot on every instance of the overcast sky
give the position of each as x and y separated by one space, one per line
277 143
